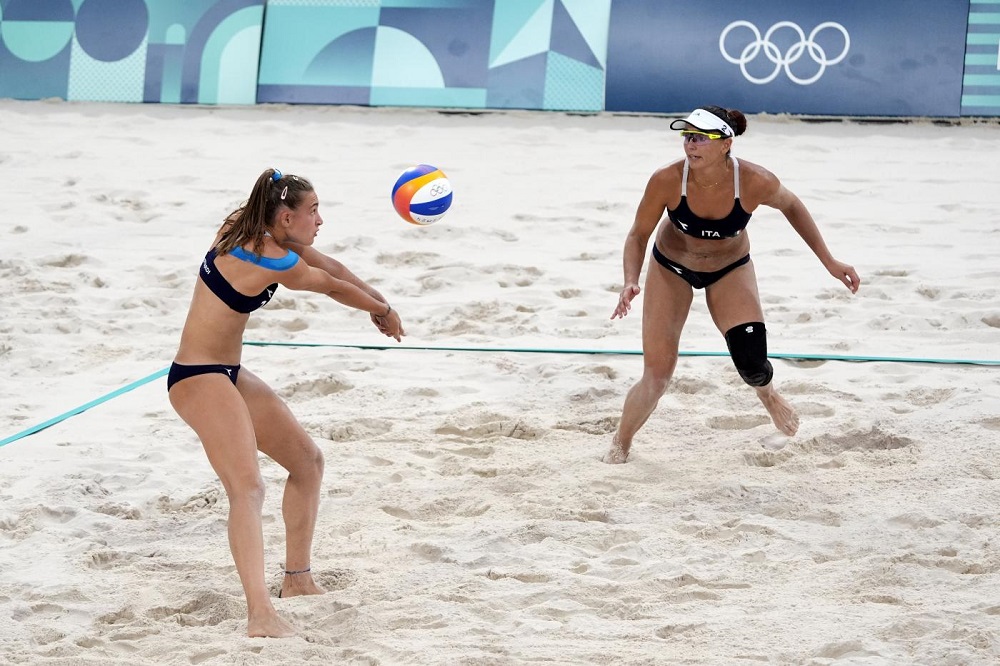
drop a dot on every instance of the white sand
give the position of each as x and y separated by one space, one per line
466 518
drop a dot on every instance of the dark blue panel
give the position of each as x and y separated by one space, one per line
38 10
313 95
111 30
519 85
906 57
458 37
567 40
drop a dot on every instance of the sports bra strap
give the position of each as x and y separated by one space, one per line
736 178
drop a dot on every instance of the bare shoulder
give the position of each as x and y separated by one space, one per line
758 185
664 187
668 174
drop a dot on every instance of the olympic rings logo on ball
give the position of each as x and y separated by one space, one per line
783 60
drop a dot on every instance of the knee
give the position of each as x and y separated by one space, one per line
248 490
316 462
310 464
657 377
748 348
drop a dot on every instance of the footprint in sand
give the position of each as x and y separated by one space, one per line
738 422
601 426
766 458
207 608
517 276
487 426
356 430
401 259
66 261
874 439
443 508
294 325
991 423
672 630
814 409
319 388
106 559
201 501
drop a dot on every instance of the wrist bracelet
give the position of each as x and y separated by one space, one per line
387 311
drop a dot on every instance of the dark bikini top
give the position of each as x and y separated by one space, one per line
730 226
220 286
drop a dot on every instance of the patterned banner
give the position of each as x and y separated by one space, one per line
192 51
529 54
981 83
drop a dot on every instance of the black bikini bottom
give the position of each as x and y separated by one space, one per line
179 372
697 279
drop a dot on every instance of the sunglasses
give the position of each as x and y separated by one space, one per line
694 136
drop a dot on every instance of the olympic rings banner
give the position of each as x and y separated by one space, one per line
825 57
938 58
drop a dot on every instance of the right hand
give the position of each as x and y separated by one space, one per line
390 325
625 301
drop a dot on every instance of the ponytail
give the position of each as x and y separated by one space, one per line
250 222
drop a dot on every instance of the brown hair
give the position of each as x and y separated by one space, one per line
251 220
733 118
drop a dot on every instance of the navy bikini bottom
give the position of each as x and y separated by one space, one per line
179 372
697 279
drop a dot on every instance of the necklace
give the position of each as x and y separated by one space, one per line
708 187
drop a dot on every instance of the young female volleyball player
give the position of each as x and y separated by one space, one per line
708 197
264 243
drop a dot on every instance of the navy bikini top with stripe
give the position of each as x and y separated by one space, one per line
220 286
730 226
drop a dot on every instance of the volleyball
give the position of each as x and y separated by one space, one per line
422 195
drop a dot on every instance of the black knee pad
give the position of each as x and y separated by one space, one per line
748 346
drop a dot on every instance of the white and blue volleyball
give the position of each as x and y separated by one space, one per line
422 195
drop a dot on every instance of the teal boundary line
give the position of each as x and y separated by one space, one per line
628 352
84 407
520 350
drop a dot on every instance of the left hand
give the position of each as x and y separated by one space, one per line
389 325
846 274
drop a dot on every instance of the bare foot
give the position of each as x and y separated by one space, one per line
782 413
269 625
617 454
297 585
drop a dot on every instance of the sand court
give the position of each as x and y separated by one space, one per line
466 517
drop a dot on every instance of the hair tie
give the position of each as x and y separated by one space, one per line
276 176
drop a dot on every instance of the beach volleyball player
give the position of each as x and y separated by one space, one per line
709 197
264 243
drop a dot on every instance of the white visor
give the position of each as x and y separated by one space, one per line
703 120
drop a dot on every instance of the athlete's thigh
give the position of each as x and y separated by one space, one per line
215 410
734 299
279 434
665 306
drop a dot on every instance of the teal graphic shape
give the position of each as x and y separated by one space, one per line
592 18
346 61
571 85
519 34
36 41
296 36
402 61
229 59
94 80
